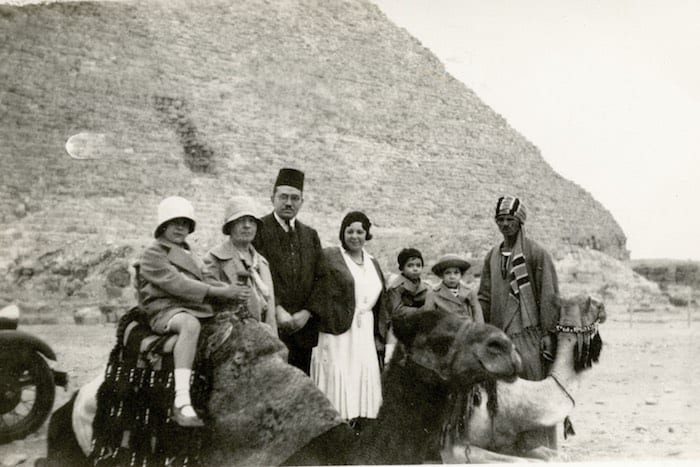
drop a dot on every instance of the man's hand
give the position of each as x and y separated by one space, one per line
300 318
547 348
285 321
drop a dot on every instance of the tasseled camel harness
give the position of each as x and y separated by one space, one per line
586 352
461 404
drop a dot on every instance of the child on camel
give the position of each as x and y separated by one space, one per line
171 290
452 294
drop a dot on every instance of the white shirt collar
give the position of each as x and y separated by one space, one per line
283 224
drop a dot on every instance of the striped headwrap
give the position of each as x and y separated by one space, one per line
511 206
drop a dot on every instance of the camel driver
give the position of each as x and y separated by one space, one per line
294 253
519 293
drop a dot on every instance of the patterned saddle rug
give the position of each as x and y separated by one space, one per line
132 424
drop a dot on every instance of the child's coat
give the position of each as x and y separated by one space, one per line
169 280
465 303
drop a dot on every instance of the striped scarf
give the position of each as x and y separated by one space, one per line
521 294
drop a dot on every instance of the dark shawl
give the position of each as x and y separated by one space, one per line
333 300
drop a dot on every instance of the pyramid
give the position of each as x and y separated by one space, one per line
209 99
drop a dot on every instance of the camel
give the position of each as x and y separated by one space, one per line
524 405
265 412
438 353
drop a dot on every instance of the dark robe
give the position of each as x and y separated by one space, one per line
295 259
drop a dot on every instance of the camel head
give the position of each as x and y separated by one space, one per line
446 348
581 312
578 322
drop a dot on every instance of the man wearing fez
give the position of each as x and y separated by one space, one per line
294 253
519 293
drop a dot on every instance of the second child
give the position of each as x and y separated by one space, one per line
452 294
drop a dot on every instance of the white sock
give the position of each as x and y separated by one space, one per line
182 387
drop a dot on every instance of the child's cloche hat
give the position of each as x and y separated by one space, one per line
174 207
450 260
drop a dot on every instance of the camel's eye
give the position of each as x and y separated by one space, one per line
440 344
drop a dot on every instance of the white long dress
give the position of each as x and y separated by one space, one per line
345 366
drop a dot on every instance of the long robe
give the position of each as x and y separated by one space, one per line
493 296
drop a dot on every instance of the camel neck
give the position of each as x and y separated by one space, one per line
409 419
563 366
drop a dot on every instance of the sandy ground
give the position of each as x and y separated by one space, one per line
640 403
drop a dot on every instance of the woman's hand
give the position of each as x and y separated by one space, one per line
230 292
240 293
288 323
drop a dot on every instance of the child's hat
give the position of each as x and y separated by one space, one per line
237 207
174 207
450 261
406 254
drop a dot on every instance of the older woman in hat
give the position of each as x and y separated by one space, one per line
235 261
349 303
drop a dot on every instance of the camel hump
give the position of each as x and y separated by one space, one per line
264 409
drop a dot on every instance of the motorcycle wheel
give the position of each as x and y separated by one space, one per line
27 393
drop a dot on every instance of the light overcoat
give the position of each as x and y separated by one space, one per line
222 264
169 279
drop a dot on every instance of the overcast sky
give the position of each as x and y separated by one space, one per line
608 90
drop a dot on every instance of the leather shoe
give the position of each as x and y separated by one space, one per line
184 420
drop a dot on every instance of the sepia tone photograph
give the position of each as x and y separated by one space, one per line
375 232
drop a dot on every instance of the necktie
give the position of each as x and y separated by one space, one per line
294 259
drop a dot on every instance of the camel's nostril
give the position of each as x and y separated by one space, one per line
497 346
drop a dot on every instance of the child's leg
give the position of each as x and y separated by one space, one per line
187 327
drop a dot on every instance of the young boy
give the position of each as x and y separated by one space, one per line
451 294
407 291
171 291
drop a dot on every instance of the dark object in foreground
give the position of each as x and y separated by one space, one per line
27 383
291 419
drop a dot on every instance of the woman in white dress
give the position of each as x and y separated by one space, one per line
349 305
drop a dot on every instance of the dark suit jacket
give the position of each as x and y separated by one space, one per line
333 300
292 291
